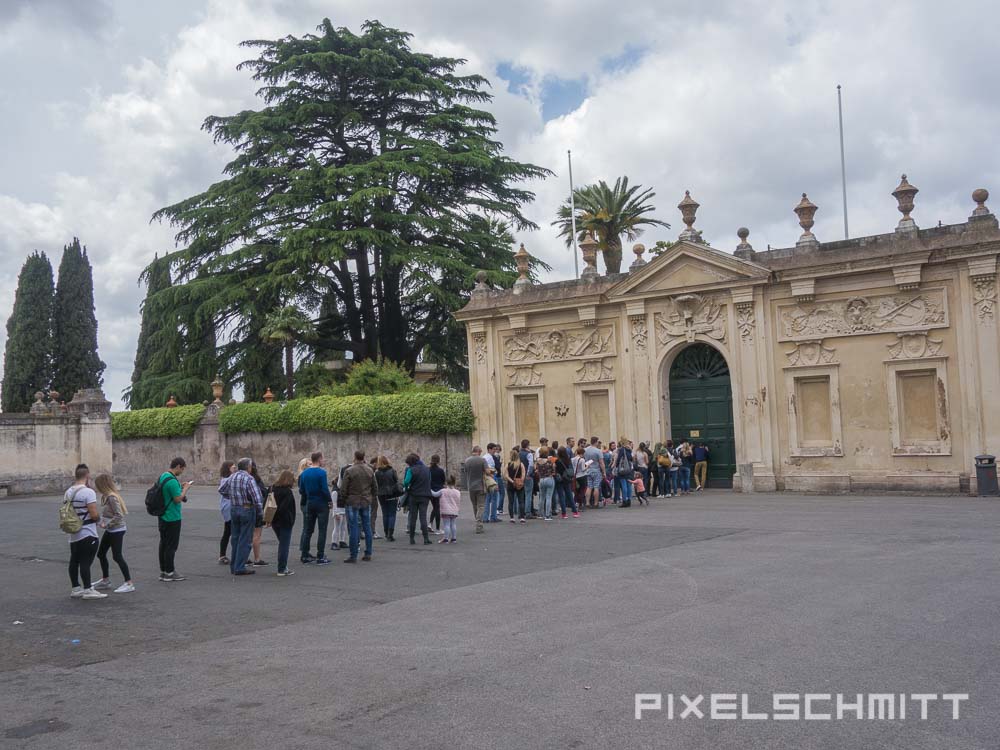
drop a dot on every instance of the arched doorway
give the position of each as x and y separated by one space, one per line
701 407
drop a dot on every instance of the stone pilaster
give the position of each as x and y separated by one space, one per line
94 411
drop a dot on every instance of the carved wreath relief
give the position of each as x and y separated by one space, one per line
688 315
811 353
863 315
553 346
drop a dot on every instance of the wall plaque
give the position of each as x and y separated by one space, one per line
863 314
556 346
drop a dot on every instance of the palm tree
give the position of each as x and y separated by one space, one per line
287 326
609 213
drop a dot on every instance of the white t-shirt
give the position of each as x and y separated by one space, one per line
82 497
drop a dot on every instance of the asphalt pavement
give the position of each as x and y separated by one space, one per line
533 636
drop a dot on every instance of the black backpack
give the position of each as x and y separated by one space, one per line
155 504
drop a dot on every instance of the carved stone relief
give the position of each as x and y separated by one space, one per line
688 315
595 370
518 377
984 297
479 341
561 410
863 315
553 346
810 354
746 321
640 335
914 346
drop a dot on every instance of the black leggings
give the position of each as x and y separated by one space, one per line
436 512
224 544
115 541
81 557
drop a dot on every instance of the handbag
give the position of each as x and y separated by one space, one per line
270 508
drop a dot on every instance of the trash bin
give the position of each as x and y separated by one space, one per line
986 475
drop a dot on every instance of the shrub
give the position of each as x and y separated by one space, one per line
418 412
161 422
372 378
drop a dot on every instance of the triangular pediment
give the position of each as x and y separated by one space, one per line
689 265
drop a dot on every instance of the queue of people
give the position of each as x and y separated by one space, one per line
547 482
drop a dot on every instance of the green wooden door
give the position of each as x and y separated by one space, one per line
701 408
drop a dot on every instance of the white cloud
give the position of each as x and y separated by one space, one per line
734 101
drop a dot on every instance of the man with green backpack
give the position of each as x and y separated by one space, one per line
78 517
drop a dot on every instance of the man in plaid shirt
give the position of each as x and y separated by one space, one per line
246 502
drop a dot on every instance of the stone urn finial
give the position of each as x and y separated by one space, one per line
689 207
481 287
268 396
54 396
217 388
744 250
638 248
806 210
904 194
523 259
980 196
171 402
588 246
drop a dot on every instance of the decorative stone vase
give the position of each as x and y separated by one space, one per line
171 402
268 396
217 387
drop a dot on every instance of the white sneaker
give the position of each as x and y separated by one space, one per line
103 585
92 594
76 592
376 535
125 588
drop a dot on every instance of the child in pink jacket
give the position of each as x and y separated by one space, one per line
450 499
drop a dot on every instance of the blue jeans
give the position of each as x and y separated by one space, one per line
685 478
389 506
284 534
316 514
675 480
546 488
565 491
663 480
516 505
623 486
243 519
501 491
359 519
529 488
490 507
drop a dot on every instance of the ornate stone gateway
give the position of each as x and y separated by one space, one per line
701 408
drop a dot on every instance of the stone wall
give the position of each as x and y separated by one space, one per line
39 451
139 461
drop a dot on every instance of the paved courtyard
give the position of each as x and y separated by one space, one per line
525 637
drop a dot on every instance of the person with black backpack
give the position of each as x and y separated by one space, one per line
172 493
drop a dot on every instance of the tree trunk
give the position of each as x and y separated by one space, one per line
613 256
289 372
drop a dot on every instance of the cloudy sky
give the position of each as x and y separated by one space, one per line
102 103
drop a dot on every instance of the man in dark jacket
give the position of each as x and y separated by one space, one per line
417 483
360 490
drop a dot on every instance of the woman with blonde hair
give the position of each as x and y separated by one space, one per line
113 512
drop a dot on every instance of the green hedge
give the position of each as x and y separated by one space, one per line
421 413
161 422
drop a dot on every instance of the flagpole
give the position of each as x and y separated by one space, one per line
843 168
572 213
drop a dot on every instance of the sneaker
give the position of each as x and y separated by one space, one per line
575 515
343 545
307 560
125 588
437 532
697 489
175 576
334 545
259 563
513 520
563 516
453 541
223 560
245 572
548 518
323 561
102 585
76 592
165 577
286 572
523 521
92 594
350 559
444 541
366 558
376 535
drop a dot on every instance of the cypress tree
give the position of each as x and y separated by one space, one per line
158 349
76 364
28 352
